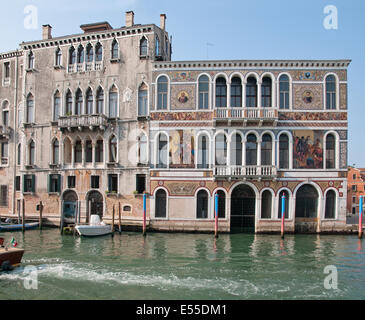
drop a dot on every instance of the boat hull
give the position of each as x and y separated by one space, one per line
93 231
10 258
18 227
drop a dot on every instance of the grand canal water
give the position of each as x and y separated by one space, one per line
186 266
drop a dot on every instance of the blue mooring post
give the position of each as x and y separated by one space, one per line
216 215
282 216
144 213
360 216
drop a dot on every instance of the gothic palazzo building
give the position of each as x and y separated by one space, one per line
92 121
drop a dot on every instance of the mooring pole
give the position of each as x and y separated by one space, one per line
216 215
120 219
23 216
113 220
282 216
144 213
40 215
360 216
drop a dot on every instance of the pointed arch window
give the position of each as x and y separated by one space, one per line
113 150
251 150
98 52
78 102
56 106
251 93
158 47
221 93
113 102
58 57
67 151
331 92
89 102
89 53
221 150
30 108
78 151
162 156
330 152
80 54
266 150
143 46
31 60
72 56
284 92
203 152
162 93
266 92
204 92
88 151
284 151
115 49
100 101
68 109
32 153
55 152
99 151
142 100
236 92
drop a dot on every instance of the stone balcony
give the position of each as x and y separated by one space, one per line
86 66
246 116
4 132
86 121
245 172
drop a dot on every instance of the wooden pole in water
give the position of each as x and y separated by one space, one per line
113 220
40 215
23 216
360 216
216 216
144 213
282 216
120 219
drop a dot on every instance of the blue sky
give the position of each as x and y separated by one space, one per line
237 29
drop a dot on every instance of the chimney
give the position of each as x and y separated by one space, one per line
129 19
47 32
163 21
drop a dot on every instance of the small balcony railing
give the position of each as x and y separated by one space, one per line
246 113
245 171
82 121
4 132
87 66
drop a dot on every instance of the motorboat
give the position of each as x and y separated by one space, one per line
10 258
96 228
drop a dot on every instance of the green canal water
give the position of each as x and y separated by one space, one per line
186 266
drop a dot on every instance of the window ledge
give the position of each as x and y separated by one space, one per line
112 195
57 67
116 60
54 165
30 70
29 166
143 57
28 193
54 193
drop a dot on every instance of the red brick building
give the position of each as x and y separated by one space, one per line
356 188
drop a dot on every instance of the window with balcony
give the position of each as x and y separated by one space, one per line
98 52
89 101
281 194
68 107
31 153
56 106
203 152
236 93
251 150
100 101
6 118
113 149
221 93
113 102
203 92
162 93
99 151
251 93
89 53
266 204
55 152
142 100
330 92
78 152
284 152
202 204
284 92
143 47
236 150
72 56
162 155
78 102
330 152
266 92
266 150
330 211
221 150
30 108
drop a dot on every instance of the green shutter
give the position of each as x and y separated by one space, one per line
33 183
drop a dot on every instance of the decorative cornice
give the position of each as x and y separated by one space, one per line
11 54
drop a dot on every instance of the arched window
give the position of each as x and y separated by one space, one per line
98 52
331 92
67 151
306 202
19 159
284 152
221 204
113 147
330 152
142 100
162 158
78 102
89 53
58 57
162 93
266 92
143 46
203 162
266 150
202 205
266 204
68 108
203 92
142 149
113 102
236 150
158 47
78 152
281 194
55 152
100 101
115 49
56 106
5 113
221 150
330 212
221 93
160 204
236 93
72 55
251 150
284 92
99 151
31 153
80 54
89 102
30 108
251 92
31 60
88 151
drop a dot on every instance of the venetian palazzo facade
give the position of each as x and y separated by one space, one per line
94 120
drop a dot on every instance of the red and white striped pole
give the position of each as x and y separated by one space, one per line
282 216
216 215
360 216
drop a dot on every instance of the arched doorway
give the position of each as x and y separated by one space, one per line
69 209
243 208
95 205
306 209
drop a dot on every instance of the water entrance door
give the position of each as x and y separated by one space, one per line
243 207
